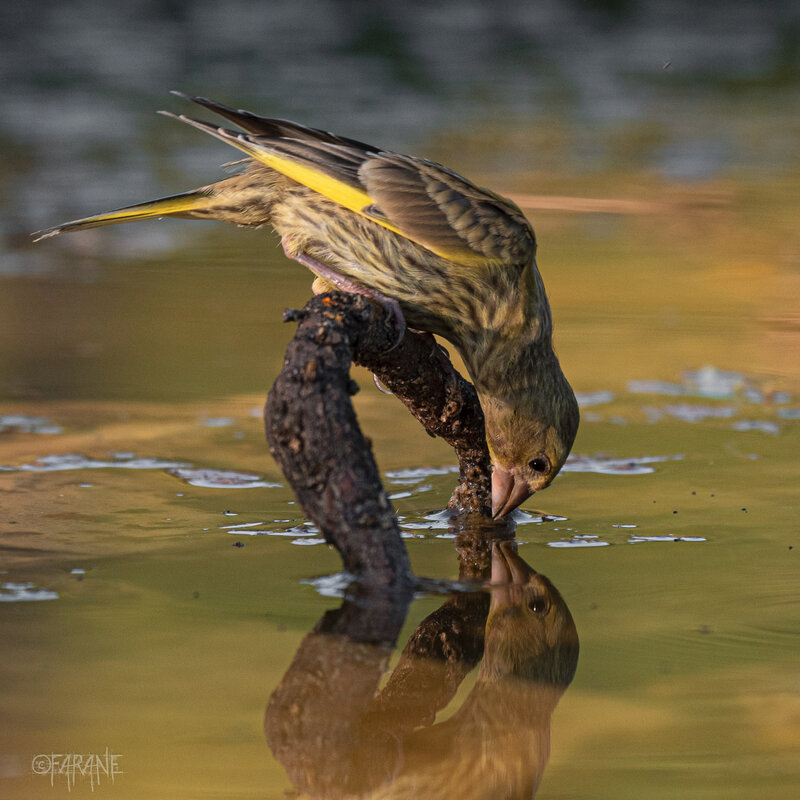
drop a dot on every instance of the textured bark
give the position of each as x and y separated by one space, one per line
419 373
314 435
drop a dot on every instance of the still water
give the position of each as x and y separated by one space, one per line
162 598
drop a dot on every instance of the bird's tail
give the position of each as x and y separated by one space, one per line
196 203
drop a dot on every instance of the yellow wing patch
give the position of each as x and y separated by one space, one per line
351 198
339 192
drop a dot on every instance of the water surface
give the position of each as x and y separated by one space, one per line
157 577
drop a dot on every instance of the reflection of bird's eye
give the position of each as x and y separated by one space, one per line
538 465
538 605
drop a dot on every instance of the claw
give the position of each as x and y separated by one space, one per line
381 388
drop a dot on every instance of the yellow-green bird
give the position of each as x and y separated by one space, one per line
456 259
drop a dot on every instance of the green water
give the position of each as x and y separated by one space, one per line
133 619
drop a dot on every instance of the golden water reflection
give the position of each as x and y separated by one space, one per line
339 732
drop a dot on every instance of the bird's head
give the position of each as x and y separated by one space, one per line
529 433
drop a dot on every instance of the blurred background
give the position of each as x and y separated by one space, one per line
651 106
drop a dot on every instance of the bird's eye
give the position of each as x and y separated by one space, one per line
538 605
539 464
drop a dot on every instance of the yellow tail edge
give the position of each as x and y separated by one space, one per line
175 205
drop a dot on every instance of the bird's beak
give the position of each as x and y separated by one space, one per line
508 491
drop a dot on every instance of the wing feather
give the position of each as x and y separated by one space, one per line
447 213
420 200
270 126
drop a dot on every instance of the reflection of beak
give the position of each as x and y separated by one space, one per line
510 575
508 566
508 491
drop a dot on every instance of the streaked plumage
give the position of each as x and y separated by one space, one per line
459 259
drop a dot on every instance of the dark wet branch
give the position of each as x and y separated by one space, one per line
314 435
419 373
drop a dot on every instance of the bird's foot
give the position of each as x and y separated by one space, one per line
440 350
331 277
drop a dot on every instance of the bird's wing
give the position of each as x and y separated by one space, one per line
420 200
269 126
446 213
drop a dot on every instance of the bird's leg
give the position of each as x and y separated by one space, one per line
391 306
320 286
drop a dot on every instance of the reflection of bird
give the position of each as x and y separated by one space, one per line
339 736
459 260
498 743
530 633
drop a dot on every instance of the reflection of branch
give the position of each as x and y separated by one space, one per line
339 737
448 643
314 719
440 653
315 438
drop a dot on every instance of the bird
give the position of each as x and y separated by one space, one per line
443 254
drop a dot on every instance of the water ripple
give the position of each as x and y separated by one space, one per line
71 461
220 479
408 477
24 592
616 466
22 423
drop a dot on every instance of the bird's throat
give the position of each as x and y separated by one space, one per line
501 367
